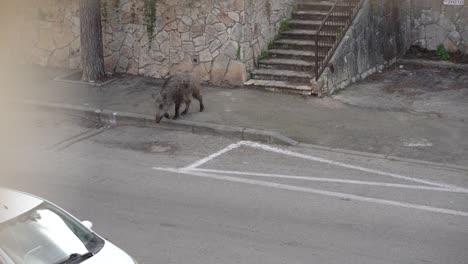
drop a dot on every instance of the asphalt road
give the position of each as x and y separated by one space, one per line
174 197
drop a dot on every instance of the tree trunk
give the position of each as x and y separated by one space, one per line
92 54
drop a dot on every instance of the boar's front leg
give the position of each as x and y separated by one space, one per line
177 108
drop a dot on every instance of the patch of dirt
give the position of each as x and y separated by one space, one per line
157 148
420 53
402 89
414 80
89 123
146 147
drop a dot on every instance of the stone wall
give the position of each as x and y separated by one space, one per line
373 41
434 23
219 40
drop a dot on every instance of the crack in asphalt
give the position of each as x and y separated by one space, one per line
78 138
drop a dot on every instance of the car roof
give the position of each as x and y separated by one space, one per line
14 203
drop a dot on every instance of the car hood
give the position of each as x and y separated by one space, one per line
110 254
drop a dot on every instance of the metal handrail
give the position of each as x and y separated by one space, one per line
345 9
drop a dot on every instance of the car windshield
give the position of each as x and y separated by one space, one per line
46 235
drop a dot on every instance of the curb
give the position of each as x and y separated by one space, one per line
431 63
115 118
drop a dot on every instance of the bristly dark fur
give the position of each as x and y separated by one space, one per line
176 90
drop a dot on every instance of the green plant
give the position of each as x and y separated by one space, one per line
133 10
268 9
150 19
264 55
271 45
442 53
294 8
278 36
283 26
238 52
339 32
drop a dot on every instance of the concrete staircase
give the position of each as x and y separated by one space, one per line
290 64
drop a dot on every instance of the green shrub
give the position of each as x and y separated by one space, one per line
271 45
283 26
264 55
150 19
238 52
442 53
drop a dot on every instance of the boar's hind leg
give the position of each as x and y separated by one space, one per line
187 105
197 95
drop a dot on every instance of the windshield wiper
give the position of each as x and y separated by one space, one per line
77 258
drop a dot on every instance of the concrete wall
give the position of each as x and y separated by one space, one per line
373 41
434 23
47 32
219 40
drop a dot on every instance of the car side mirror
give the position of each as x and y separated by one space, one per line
87 224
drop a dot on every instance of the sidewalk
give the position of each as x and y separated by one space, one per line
327 122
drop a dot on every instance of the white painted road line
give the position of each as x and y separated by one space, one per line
214 155
349 166
330 180
316 191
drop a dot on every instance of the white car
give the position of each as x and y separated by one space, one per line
34 231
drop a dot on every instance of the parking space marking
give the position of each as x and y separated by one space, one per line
348 166
321 160
331 180
315 191
214 155
195 170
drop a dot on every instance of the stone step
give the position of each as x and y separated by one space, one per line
316 5
287 64
302 34
297 44
279 86
310 22
323 6
305 55
315 24
282 75
310 14
316 15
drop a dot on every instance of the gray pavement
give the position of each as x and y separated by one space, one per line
241 205
421 118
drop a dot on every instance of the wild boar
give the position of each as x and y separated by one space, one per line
176 90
